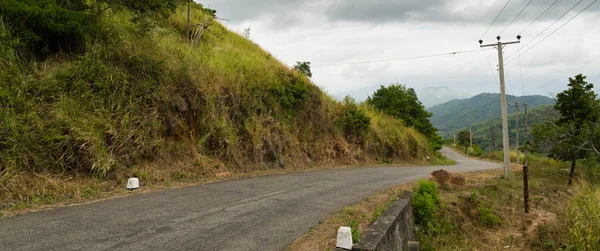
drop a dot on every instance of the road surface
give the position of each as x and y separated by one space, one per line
261 213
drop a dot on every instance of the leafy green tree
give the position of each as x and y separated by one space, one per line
463 138
563 137
402 102
303 67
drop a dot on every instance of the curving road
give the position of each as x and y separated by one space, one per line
261 213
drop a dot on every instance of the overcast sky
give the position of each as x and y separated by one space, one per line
338 31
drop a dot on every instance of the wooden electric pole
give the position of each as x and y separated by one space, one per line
471 136
505 145
454 134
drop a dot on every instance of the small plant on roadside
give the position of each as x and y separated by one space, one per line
353 224
487 217
377 213
426 202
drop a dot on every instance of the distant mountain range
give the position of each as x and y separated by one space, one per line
429 96
461 113
432 96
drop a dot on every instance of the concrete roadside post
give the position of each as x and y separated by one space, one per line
344 238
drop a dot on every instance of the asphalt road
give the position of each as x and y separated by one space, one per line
261 213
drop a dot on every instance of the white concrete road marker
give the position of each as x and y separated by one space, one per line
133 183
344 238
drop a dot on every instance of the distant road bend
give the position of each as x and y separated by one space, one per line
261 213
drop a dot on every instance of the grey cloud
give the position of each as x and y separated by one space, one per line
238 11
453 11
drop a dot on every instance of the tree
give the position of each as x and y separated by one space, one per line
401 102
564 137
464 138
493 136
303 67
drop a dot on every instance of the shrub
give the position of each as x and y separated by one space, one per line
353 224
487 217
426 202
46 26
353 121
289 92
475 151
377 213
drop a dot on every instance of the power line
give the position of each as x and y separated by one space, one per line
567 12
495 19
398 59
490 65
537 17
521 72
515 17
556 29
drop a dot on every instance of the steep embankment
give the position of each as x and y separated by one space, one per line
139 100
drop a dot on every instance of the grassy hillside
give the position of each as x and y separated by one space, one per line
464 112
138 100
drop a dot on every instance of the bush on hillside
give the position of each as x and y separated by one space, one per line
401 102
474 151
426 202
353 121
47 26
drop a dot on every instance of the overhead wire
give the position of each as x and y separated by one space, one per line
527 5
398 59
530 41
532 22
490 65
521 72
486 31
584 9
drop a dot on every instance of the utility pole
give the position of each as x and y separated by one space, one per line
517 135
454 130
471 136
526 131
505 144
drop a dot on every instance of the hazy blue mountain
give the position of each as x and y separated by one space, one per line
461 113
429 96
432 96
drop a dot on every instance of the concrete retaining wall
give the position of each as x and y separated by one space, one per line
393 230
